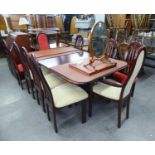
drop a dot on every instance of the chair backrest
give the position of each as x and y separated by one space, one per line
25 62
79 42
42 41
46 89
123 50
16 50
127 53
132 51
136 67
36 77
112 52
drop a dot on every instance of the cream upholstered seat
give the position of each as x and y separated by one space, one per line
107 91
67 94
45 70
53 80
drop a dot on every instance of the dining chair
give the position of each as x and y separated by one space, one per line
120 92
112 52
127 52
42 41
61 96
51 79
79 41
27 71
19 70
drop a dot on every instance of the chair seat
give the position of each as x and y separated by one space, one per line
20 68
53 80
107 91
67 94
122 77
45 70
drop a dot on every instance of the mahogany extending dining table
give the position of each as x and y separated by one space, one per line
59 64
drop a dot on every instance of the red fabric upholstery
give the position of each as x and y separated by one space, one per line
20 68
120 77
42 41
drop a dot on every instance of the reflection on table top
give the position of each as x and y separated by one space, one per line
54 45
47 32
69 58
53 52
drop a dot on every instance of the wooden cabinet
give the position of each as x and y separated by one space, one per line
22 39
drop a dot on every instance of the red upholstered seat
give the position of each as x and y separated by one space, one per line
42 41
20 68
120 77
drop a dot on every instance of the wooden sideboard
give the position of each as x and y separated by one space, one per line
22 39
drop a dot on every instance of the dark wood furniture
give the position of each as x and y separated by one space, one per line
50 95
127 52
19 70
27 71
22 39
120 92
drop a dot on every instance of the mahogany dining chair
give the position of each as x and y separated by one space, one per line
122 91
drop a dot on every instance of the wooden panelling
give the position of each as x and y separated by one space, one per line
2 23
13 21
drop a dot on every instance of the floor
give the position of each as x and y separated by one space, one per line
22 119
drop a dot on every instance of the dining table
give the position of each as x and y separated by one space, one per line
60 63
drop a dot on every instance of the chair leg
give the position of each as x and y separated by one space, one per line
127 108
32 88
48 113
21 84
27 84
83 111
90 106
91 95
55 121
37 97
119 113
43 102
133 89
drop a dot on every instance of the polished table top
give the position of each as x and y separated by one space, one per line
53 52
60 65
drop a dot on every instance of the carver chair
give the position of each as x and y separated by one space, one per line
127 52
120 92
61 96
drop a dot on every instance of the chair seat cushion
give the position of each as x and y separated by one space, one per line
53 80
45 70
121 77
107 91
20 68
67 94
